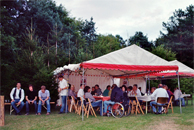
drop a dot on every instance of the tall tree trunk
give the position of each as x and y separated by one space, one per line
56 45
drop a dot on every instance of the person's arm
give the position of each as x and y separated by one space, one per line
27 99
34 99
22 95
48 95
11 95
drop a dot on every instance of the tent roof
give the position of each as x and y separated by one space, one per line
129 61
184 71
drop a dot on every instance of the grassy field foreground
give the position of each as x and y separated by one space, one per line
72 121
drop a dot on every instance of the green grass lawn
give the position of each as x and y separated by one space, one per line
72 121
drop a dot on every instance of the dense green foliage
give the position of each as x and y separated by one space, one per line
37 36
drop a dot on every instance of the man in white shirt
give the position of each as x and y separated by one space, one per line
135 91
81 92
63 92
159 92
17 96
177 97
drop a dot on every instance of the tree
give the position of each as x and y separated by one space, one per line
141 40
88 32
179 35
166 54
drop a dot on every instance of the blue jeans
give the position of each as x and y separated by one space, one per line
182 101
64 103
106 103
47 105
154 108
98 104
27 106
14 106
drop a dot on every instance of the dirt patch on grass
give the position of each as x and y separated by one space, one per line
166 124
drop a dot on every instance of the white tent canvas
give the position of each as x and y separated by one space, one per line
133 56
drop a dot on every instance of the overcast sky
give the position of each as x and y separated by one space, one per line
125 17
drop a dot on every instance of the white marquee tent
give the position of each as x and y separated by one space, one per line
129 62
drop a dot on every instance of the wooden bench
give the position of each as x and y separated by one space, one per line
11 109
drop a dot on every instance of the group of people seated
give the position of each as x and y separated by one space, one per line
17 95
164 91
117 94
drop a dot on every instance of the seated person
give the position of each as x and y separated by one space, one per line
71 92
31 97
80 93
135 91
166 88
125 97
141 92
153 89
109 93
105 93
17 96
93 91
92 99
129 89
44 96
116 96
177 97
98 90
159 92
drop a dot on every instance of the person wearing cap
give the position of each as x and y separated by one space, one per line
31 97
63 92
17 96
44 97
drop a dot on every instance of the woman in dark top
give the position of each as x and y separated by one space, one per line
93 91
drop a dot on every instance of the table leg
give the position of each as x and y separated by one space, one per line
146 107
102 109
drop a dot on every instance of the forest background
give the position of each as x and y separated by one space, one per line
37 36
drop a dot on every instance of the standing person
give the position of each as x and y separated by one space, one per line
31 97
98 90
177 97
63 92
105 93
17 96
159 92
44 96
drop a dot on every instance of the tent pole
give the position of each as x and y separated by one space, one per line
67 93
82 100
179 89
149 82
146 85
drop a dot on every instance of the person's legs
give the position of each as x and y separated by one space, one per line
27 107
63 104
21 106
159 109
106 103
152 105
14 106
98 104
35 107
183 101
48 106
39 106
66 105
